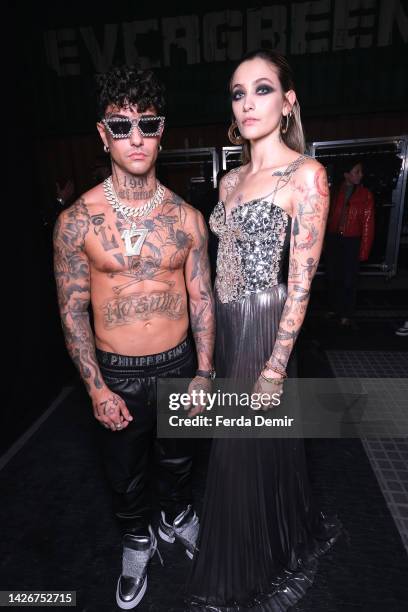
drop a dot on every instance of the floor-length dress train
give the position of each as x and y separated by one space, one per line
261 533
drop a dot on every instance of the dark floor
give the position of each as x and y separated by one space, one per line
58 532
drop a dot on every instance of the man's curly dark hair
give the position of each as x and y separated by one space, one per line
129 85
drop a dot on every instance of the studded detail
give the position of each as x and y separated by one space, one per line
184 528
250 247
252 241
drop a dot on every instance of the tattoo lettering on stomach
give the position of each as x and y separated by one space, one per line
127 309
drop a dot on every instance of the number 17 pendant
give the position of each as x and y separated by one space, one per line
134 248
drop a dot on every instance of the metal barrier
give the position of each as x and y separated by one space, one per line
194 174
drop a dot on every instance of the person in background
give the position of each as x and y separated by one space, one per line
350 234
64 192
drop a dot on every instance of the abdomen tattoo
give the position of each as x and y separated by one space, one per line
127 309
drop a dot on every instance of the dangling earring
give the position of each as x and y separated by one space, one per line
160 148
288 117
106 148
233 134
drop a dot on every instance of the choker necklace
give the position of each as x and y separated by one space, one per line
131 214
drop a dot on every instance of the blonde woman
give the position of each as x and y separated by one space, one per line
261 533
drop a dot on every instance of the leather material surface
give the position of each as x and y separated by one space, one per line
127 455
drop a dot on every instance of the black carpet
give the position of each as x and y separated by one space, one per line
369 335
58 532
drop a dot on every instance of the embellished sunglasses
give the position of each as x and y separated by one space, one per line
122 127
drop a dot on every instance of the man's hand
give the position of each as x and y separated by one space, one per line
199 383
110 410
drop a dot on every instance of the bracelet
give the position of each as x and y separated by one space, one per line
268 366
206 373
275 381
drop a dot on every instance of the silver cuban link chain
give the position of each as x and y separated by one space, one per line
132 215
129 212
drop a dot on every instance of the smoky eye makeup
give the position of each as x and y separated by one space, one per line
264 89
236 94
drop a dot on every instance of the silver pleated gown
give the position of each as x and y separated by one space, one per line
260 534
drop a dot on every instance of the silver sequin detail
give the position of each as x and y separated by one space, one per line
251 241
134 562
250 247
188 533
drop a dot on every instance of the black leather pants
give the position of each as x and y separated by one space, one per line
127 454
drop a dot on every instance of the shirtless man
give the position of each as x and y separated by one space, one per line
138 254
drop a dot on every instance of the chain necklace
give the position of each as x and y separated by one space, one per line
129 212
132 215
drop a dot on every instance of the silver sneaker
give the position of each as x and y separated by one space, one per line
132 583
403 331
184 529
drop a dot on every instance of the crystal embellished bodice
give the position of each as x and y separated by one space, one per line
253 241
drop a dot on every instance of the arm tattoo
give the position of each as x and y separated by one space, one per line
73 287
201 296
306 243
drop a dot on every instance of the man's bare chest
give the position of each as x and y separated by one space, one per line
155 244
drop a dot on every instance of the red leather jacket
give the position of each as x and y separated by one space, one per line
358 220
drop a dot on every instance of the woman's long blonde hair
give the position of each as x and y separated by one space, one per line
294 138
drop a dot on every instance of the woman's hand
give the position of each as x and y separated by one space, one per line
272 387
